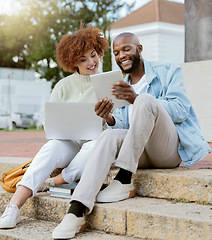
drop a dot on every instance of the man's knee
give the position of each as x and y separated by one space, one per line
146 100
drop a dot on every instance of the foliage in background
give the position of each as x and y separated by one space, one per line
107 59
28 38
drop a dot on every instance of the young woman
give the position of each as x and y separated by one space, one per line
79 53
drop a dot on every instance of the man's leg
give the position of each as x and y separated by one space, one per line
98 166
153 131
151 141
93 176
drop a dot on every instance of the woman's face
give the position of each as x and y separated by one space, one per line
88 63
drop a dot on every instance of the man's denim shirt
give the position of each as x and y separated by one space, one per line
166 84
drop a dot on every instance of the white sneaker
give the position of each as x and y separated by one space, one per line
44 187
10 217
116 191
69 226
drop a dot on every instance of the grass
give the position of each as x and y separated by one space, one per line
31 128
202 202
183 200
180 200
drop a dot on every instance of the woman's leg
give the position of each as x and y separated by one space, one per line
20 196
58 180
54 154
75 168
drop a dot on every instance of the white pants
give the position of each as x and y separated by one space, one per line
151 141
67 154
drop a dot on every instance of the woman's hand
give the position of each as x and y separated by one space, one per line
103 109
124 91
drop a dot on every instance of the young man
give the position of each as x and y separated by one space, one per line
158 129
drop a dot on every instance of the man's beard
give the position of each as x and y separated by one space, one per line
135 62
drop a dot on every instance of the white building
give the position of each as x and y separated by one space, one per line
21 92
159 25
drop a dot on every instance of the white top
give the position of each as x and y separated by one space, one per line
74 88
140 87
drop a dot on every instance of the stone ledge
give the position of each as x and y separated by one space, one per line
160 219
178 183
189 184
42 230
153 219
29 229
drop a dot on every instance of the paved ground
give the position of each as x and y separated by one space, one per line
27 144
21 144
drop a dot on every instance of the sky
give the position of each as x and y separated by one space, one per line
140 3
8 6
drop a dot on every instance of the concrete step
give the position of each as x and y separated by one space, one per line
42 230
29 229
180 183
139 217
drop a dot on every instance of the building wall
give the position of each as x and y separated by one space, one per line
21 92
160 41
198 24
18 74
198 84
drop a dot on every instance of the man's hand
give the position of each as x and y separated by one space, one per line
103 109
124 91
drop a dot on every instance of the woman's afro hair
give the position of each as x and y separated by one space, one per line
72 46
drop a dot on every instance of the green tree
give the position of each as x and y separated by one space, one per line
102 13
28 38
107 59
13 41
48 21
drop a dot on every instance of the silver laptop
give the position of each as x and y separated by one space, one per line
77 121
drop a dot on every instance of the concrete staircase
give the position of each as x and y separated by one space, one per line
170 205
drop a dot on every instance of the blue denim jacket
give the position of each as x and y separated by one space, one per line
166 84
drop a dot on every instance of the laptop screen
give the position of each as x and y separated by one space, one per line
77 121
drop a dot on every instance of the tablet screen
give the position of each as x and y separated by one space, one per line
102 82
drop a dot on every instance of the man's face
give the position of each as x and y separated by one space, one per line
126 54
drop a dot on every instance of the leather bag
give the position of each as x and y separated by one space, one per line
12 177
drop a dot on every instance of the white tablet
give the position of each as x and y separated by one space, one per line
102 82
